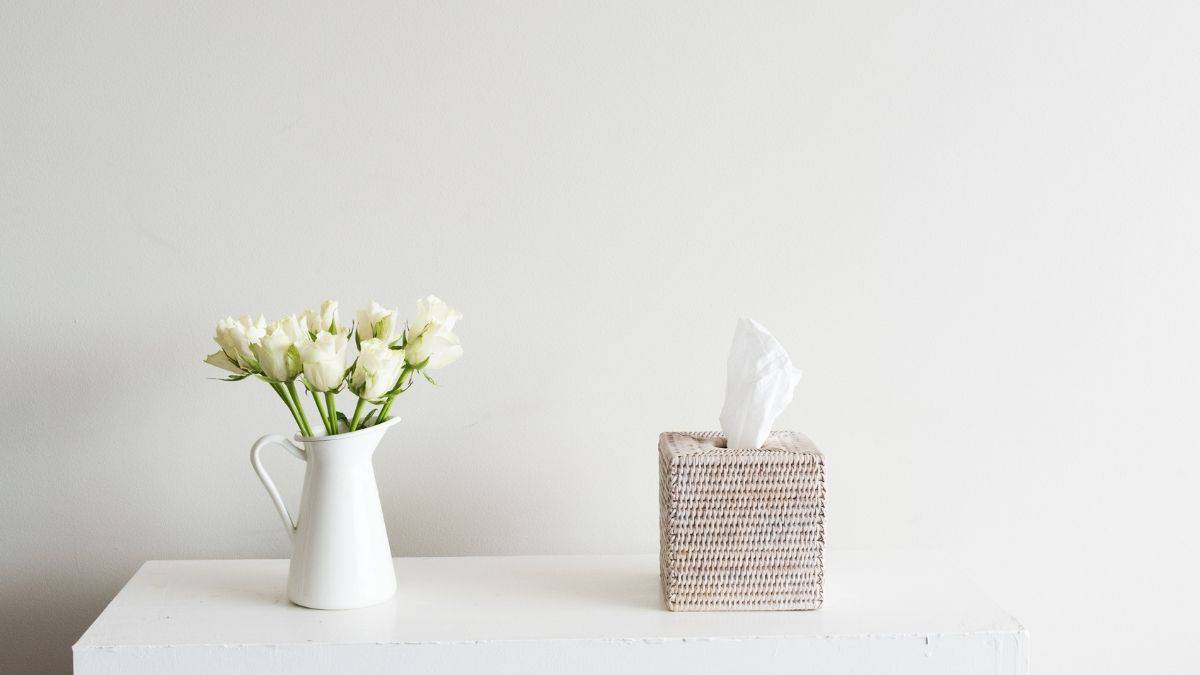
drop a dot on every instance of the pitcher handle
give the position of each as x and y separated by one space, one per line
288 523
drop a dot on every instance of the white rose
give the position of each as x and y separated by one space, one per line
277 352
324 360
433 316
377 370
434 351
430 339
326 319
376 321
235 337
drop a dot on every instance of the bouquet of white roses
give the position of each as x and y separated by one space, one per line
313 347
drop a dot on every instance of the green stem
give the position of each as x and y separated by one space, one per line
291 408
387 405
321 409
291 387
331 404
358 411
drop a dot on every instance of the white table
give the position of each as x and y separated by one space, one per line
884 613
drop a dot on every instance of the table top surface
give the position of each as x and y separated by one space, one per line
513 598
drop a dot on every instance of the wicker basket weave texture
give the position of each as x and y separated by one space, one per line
741 529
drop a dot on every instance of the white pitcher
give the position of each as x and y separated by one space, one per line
341 558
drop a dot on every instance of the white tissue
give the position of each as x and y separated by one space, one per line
760 382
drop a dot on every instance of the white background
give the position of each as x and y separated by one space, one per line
972 224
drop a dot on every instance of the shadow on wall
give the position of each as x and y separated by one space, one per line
40 621
87 507
60 562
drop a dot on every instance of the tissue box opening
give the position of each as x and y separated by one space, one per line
741 529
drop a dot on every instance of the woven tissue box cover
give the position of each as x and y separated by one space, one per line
741 529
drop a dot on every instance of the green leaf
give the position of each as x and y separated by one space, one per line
377 327
221 360
231 378
292 357
428 378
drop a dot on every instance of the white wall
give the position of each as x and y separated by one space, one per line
972 224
